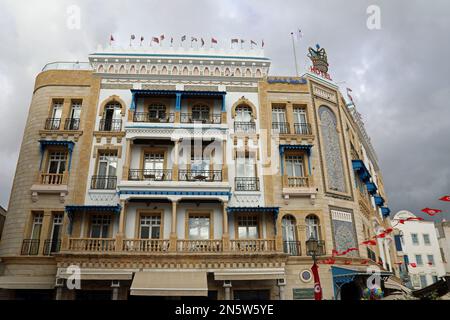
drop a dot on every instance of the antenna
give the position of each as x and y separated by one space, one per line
295 54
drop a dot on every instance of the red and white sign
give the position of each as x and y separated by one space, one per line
322 74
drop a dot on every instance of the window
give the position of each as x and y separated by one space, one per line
73 121
290 235
157 111
200 113
54 121
247 227
199 227
150 227
430 258
419 260
54 243
37 226
423 281
414 238
100 226
153 161
435 278
243 113
57 162
199 160
112 117
106 171
300 121
294 166
245 165
57 110
426 239
279 120
312 227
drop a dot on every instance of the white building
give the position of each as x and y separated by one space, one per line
443 233
418 242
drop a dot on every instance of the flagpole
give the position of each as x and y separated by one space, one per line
295 54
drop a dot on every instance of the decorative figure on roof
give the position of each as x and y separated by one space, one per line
319 58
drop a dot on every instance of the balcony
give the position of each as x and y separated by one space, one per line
302 128
92 244
114 125
150 175
152 118
196 118
103 182
30 247
200 175
246 184
299 186
53 178
293 248
256 245
72 124
52 123
245 127
281 127
199 246
51 246
146 245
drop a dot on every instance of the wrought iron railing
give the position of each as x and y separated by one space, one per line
110 125
292 248
200 175
194 118
30 247
246 127
150 174
52 123
103 182
302 128
51 246
72 124
246 183
151 117
281 127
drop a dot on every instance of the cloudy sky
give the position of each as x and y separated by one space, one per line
399 73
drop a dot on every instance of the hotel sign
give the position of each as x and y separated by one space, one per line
319 60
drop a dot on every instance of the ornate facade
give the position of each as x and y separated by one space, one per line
190 173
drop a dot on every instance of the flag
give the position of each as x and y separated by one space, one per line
156 39
203 41
194 39
161 37
349 96
133 37
317 287
142 38
253 42
234 41
347 262
369 243
213 40
299 34
262 44
365 261
171 41
431 212
111 38
242 41
183 38
445 198
412 264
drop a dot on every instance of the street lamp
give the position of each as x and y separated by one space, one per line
314 247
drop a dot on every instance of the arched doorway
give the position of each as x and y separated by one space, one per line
290 244
350 291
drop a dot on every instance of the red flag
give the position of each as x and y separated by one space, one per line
431 212
412 264
349 96
213 40
381 235
414 219
365 262
369 243
398 263
317 287
347 262
430 263
445 198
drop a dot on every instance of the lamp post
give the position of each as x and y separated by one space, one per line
314 248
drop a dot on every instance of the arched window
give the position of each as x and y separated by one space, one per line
132 69
185 71
227 72
122 69
112 117
164 70
196 72
290 244
217 72
248 73
101 69
206 71
312 227
237 73
332 150
143 70
243 113
200 113
175 70
154 70
111 69
258 73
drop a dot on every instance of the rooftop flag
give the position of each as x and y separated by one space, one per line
431 212
262 43
156 39
213 40
183 38
161 37
234 40
445 198
203 41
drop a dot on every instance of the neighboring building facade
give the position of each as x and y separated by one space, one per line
190 173
443 234
417 241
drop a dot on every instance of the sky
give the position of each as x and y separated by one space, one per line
399 71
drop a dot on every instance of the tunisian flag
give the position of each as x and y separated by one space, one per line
317 287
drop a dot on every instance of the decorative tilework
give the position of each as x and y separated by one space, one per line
332 150
343 232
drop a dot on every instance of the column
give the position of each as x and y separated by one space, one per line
173 228
224 110
281 283
224 161
115 285
301 233
177 107
225 232
65 112
120 236
126 164
175 166
227 287
45 232
66 231
59 289
290 117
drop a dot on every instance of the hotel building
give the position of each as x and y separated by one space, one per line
157 173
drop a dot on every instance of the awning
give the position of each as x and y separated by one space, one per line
114 209
385 211
169 283
379 201
341 274
391 284
371 187
274 210
98 274
360 167
250 274
27 282
304 147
